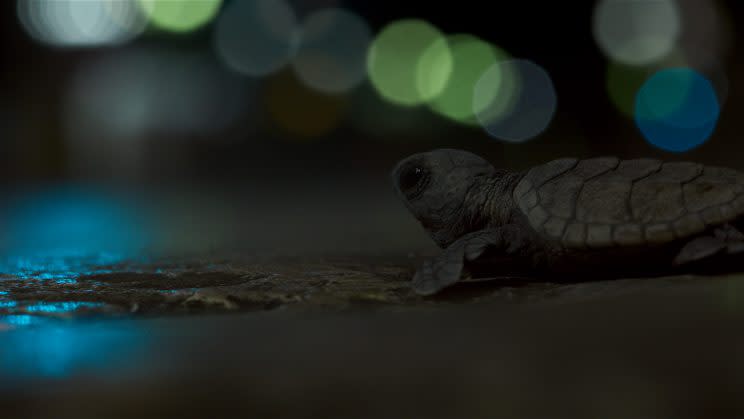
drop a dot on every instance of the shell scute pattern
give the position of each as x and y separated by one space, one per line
525 193
605 202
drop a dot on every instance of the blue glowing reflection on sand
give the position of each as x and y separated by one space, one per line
12 312
61 350
61 233
18 320
60 307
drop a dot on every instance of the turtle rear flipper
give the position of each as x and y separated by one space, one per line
724 240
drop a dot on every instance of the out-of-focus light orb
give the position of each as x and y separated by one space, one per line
180 15
515 100
301 111
623 81
256 37
139 91
393 62
496 91
332 53
636 32
434 69
677 109
117 102
72 23
470 58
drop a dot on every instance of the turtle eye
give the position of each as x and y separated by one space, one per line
413 180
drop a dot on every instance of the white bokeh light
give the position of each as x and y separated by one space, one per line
75 23
155 90
637 32
120 100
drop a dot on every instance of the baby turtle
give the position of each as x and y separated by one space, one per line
588 218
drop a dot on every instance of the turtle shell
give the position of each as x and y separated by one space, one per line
603 202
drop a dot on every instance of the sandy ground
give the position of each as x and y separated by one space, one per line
289 331
339 338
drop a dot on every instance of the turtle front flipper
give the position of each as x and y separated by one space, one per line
440 272
447 268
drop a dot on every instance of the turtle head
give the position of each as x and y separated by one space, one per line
439 187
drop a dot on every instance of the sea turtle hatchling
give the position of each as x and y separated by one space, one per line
584 218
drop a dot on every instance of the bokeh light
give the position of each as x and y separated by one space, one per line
677 109
300 111
471 57
71 23
333 50
393 62
256 37
137 91
636 32
180 15
515 100
623 81
118 102
434 69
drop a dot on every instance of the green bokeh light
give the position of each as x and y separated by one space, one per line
434 69
497 92
623 83
471 57
180 15
393 62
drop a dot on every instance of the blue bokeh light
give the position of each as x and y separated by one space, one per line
677 109
515 100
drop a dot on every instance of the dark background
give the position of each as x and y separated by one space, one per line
556 35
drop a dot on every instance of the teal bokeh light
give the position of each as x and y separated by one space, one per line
677 109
